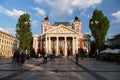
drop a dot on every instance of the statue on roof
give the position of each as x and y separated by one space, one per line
76 18
46 18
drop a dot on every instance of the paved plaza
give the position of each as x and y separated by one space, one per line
60 69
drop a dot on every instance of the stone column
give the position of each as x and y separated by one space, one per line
76 44
65 46
46 50
73 46
49 46
36 45
41 41
57 47
88 48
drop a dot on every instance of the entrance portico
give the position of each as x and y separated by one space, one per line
61 43
65 41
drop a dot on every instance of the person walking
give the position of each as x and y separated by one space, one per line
18 59
39 55
22 59
45 58
14 58
77 59
52 57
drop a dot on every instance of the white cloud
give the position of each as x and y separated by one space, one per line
117 16
35 23
88 33
85 14
9 30
1 8
61 8
1 29
12 13
83 4
38 1
40 12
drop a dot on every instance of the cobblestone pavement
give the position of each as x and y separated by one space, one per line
60 69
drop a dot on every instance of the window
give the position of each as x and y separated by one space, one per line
77 30
45 30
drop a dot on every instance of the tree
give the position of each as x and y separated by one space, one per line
92 50
23 32
99 25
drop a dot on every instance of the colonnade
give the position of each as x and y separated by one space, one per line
48 45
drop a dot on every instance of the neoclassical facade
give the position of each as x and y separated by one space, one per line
61 37
8 44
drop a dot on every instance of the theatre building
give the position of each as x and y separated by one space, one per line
61 37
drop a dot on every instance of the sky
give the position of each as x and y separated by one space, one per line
58 11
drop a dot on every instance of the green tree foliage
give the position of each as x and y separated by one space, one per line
92 50
23 32
81 53
99 25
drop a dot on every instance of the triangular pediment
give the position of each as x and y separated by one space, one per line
62 29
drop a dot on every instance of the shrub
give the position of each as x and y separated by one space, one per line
81 53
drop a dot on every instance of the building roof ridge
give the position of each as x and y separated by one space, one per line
59 23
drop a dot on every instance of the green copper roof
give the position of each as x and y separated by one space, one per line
63 23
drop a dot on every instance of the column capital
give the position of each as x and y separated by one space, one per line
56 36
65 37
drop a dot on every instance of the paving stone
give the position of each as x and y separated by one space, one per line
61 69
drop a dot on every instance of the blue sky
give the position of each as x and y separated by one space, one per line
58 10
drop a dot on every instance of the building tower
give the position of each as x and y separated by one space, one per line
77 25
45 25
